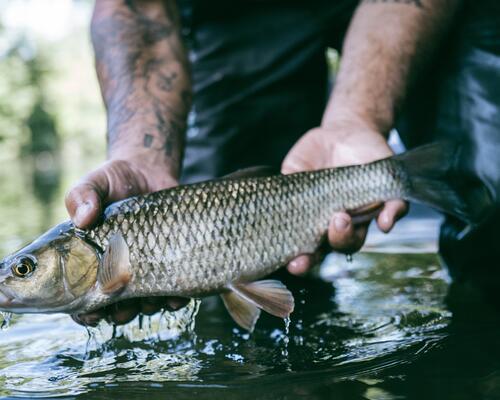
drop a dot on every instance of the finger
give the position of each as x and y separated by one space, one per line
301 264
294 164
151 305
344 236
123 312
176 303
393 210
84 202
89 319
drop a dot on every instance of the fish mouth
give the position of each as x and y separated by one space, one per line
5 302
8 303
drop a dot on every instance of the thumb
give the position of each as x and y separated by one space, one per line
84 203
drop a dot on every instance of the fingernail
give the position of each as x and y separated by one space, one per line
341 224
385 221
82 213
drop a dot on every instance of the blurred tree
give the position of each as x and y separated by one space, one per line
44 155
28 127
43 136
21 87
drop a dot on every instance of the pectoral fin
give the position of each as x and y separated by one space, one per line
244 313
269 295
114 269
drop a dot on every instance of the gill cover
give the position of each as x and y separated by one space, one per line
79 262
50 274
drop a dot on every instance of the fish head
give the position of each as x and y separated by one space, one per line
50 274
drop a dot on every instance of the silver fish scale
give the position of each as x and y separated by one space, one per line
197 239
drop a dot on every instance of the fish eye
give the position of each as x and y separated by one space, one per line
24 267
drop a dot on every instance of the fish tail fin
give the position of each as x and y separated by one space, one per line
435 178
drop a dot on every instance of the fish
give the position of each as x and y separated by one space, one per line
223 236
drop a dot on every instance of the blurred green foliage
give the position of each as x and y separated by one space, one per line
19 87
49 97
52 122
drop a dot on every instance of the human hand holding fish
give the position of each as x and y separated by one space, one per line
116 180
340 144
219 236
319 148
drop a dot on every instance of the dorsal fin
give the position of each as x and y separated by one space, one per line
366 213
256 172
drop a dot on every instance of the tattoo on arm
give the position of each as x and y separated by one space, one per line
143 72
148 140
416 3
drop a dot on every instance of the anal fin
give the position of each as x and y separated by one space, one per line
269 295
114 269
244 313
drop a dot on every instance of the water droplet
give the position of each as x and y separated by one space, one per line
5 317
287 325
348 258
91 340
286 339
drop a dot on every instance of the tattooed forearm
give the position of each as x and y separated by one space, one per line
417 3
143 73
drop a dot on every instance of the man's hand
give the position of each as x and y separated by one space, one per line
116 180
341 144
143 73
387 44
